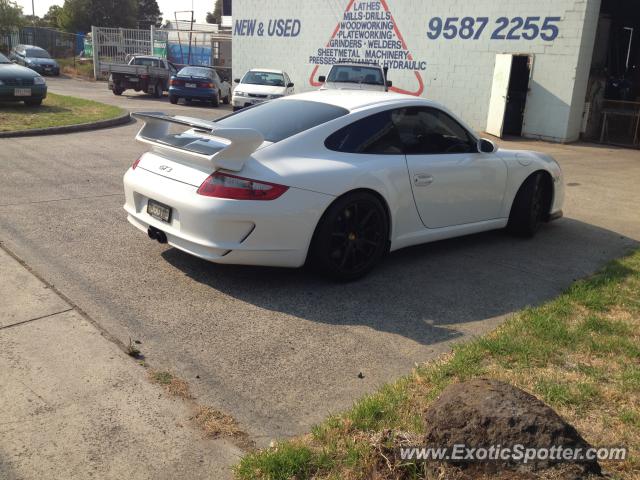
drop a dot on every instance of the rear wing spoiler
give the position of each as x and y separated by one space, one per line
241 142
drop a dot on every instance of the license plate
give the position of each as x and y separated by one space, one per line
190 85
22 92
159 211
133 79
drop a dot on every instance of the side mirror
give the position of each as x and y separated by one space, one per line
236 80
389 83
290 85
322 79
487 146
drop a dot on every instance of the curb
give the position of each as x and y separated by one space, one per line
81 127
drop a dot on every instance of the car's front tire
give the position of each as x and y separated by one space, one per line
351 237
531 205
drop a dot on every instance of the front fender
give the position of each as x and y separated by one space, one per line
521 164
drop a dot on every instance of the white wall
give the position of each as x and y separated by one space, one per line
458 71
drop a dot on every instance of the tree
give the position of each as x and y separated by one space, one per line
149 14
51 18
10 16
216 15
80 15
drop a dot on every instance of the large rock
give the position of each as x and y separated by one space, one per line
483 412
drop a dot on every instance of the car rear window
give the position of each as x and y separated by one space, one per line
280 119
148 62
195 72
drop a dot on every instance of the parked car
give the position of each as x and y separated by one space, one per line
356 76
199 83
331 178
259 85
20 84
142 73
35 58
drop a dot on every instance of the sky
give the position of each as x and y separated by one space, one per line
167 7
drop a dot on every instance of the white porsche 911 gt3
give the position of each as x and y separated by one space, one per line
331 178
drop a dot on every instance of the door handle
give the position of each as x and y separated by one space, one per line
422 179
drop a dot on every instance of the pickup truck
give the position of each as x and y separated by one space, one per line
141 73
356 76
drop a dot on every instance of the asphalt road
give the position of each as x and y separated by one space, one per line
280 349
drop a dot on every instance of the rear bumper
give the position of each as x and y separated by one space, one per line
182 92
269 233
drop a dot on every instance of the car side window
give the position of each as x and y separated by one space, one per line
430 131
375 134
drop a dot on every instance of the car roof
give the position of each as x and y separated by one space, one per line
31 46
357 99
356 64
266 70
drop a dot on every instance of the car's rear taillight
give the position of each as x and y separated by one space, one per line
135 164
176 82
205 85
222 185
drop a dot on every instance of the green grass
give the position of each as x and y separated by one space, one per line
55 111
580 353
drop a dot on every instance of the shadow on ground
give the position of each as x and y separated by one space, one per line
422 292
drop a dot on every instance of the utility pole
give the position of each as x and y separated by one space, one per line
33 13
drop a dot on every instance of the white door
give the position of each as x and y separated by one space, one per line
499 94
452 182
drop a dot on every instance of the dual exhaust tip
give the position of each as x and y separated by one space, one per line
155 234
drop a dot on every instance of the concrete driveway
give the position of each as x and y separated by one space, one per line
280 349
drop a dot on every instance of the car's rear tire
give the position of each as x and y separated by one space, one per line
351 237
216 101
530 206
173 99
33 102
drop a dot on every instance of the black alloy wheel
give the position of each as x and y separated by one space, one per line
351 237
530 206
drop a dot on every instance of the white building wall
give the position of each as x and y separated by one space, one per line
458 72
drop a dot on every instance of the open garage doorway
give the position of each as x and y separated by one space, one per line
612 113
509 94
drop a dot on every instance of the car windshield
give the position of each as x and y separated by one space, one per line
4 59
195 72
293 117
37 53
264 78
356 74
